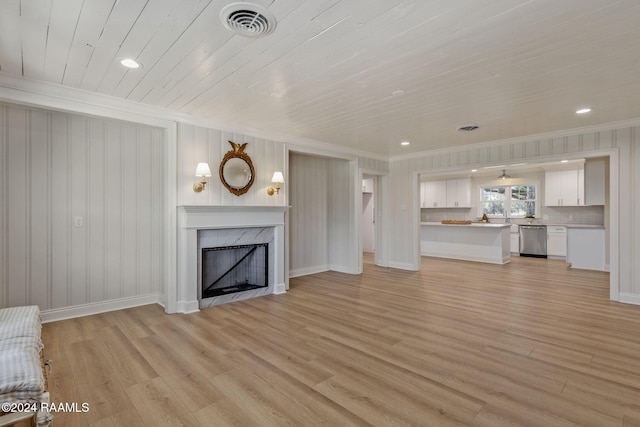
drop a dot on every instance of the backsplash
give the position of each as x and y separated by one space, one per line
573 215
550 215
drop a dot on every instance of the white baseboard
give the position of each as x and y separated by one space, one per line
403 266
628 298
280 288
343 269
98 307
187 307
308 270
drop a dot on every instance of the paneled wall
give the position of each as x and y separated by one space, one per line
626 141
198 144
82 218
321 219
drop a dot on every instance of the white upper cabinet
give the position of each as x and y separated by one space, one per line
564 188
433 194
455 193
459 193
594 182
583 186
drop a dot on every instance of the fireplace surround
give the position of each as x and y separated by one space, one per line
219 226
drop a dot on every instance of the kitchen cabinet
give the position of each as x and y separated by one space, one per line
556 241
454 193
459 193
594 182
515 239
564 188
433 194
473 242
585 248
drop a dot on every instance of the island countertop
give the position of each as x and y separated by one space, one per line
473 224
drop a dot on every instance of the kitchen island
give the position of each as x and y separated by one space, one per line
481 242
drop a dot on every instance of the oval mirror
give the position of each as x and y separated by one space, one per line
236 170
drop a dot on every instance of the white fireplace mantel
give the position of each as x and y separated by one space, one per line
192 219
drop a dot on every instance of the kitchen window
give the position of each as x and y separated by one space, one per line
508 201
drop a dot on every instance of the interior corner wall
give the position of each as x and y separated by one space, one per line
82 213
322 215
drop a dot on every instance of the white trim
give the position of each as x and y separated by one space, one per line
187 307
347 269
505 260
628 298
280 288
171 230
403 266
308 271
82 310
57 97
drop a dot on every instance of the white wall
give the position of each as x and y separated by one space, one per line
55 167
198 144
625 141
322 221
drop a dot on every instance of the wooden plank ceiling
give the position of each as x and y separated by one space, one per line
328 71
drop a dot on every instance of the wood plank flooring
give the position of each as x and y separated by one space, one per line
458 343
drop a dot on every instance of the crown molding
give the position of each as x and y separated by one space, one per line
52 96
527 138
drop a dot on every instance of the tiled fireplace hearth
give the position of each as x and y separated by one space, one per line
207 227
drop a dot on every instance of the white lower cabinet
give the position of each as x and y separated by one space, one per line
585 248
515 239
557 241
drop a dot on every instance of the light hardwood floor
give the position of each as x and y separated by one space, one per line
458 343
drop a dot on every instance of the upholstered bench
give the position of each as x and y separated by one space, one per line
22 370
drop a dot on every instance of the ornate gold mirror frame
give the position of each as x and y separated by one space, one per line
236 169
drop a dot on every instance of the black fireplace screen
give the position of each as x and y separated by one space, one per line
230 269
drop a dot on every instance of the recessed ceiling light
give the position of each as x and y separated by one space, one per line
405 143
398 93
564 161
130 63
474 170
583 111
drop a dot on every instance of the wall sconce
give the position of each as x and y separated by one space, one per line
203 171
276 179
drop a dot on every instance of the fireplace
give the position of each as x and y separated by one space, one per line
208 227
230 269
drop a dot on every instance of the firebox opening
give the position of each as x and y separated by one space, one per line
231 269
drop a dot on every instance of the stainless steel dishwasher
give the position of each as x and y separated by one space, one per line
533 241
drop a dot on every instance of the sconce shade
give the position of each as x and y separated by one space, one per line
203 169
277 177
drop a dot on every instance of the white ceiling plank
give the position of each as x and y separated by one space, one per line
62 27
156 29
11 37
121 19
34 22
514 67
190 46
281 52
87 32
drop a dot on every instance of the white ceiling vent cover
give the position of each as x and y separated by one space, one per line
248 19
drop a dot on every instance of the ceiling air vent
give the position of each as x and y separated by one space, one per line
248 19
468 128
